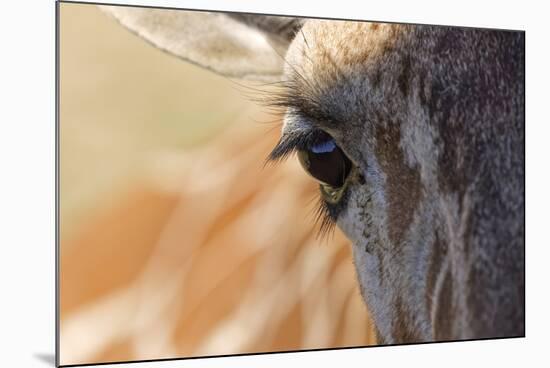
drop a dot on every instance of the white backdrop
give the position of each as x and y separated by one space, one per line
27 184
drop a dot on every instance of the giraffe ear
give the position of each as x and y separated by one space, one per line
237 45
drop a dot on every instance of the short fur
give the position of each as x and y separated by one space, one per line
433 119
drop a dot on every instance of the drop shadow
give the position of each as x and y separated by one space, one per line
46 358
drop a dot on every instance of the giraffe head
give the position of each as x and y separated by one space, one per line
415 135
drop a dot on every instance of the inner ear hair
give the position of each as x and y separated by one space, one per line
280 29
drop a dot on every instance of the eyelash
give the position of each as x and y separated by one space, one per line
325 217
325 214
288 96
291 143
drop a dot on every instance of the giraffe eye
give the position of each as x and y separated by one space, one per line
325 161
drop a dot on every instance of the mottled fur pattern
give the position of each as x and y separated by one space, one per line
432 117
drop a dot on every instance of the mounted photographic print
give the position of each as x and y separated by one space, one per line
235 183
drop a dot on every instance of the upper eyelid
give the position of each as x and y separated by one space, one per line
303 138
293 140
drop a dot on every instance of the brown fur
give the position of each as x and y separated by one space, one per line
403 182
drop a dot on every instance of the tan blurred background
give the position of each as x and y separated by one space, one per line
175 241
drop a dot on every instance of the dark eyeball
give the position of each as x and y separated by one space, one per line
325 161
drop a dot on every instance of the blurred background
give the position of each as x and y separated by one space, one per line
175 240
